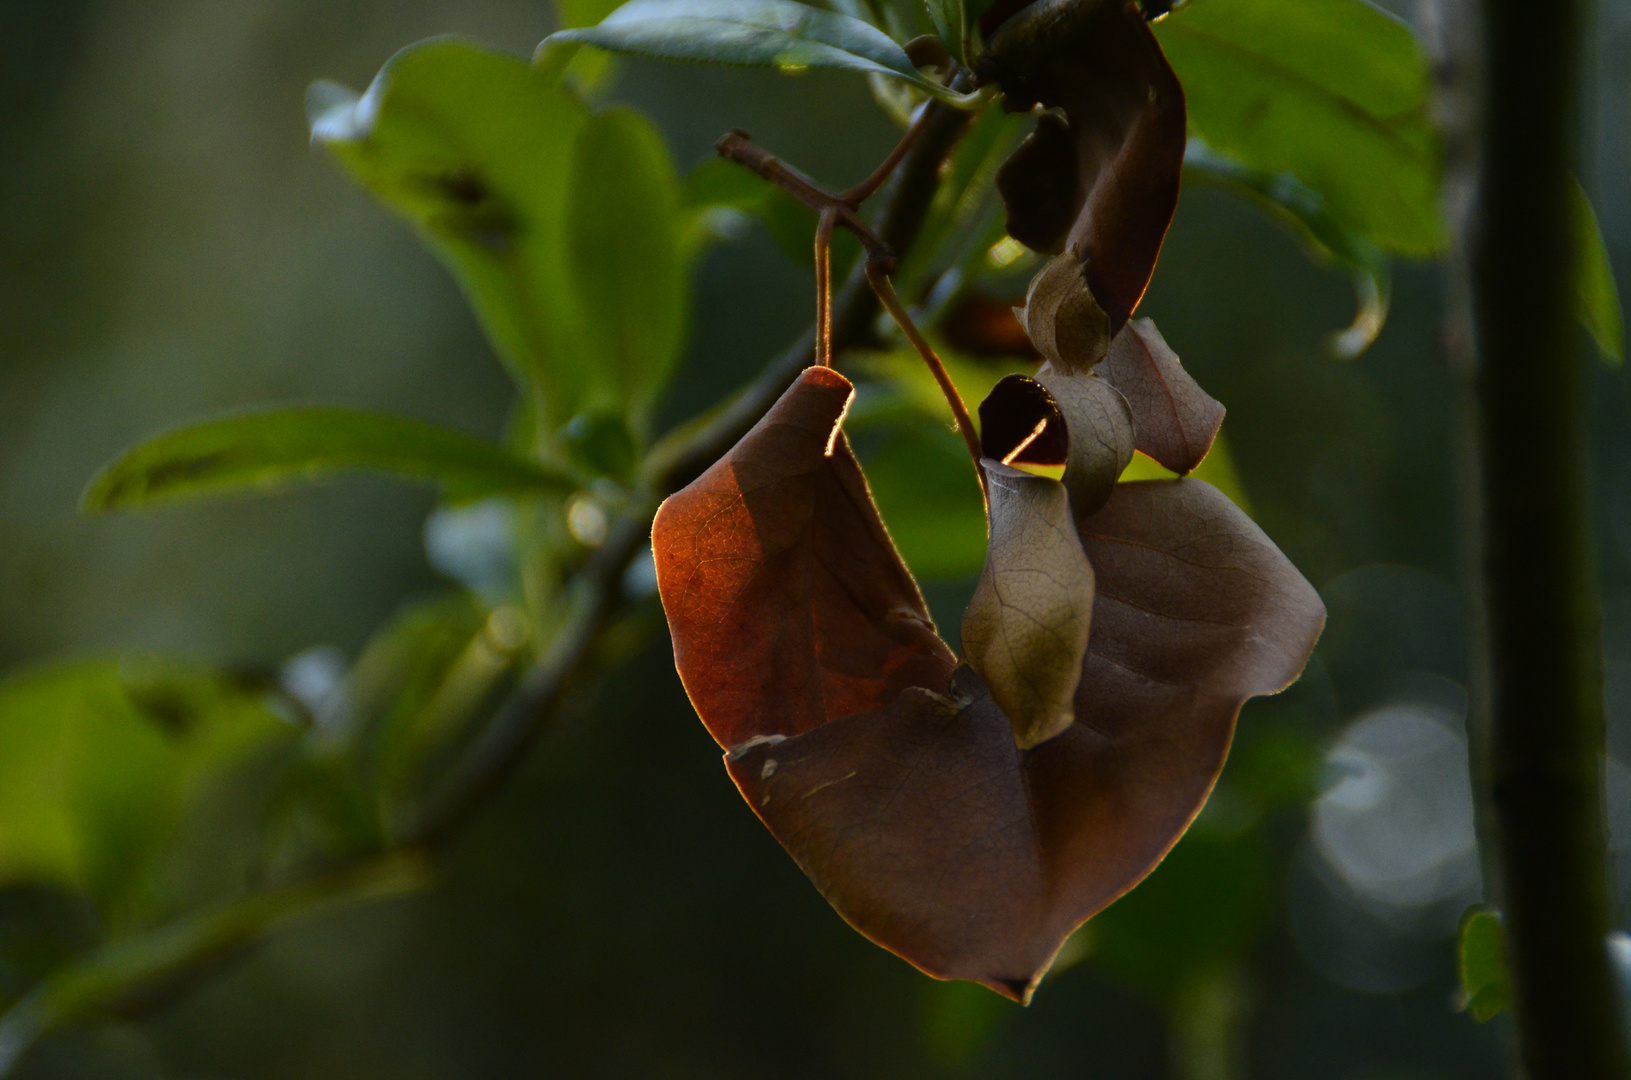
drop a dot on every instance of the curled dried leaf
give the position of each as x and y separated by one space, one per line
1026 628
1074 428
1102 182
891 774
1174 419
1064 322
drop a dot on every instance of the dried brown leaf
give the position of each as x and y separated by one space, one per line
1102 183
787 602
1025 629
1063 320
1085 426
1174 419
895 781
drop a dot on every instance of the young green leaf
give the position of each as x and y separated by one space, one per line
510 180
623 238
279 446
1326 238
475 149
751 33
1486 984
1335 92
1599 298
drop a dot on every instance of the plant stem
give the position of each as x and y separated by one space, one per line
965 424
1539 680
823 269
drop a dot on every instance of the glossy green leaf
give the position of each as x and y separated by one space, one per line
475 149
1326 238
1599 298
951 23
623 240
781 34
98 760
1334 92
1486 986
267 449
507 177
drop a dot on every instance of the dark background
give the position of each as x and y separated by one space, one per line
170 246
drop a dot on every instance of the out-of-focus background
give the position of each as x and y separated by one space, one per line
170 246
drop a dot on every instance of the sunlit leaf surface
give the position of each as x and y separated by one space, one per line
1334 92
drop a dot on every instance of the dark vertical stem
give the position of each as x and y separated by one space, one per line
1541 687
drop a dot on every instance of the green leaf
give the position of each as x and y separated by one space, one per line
951 23
1334 92
267 449
781 34
1599 298
623 238
541 210
98 760
1486 985
1326 238
592 70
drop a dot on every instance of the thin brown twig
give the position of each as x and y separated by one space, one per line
823 269
863 191
965 424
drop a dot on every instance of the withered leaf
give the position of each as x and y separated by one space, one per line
1101 183
1025 629
1077 428
1174 419
786 600
893 777
1063 320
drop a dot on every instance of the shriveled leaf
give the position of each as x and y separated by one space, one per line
1026 628
1486 984
1334 92
1174 420
261 450
1062 319
1101 184
896 783
785 597
750 33
98 760
1599 298
1327 239
1074 428
623 241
